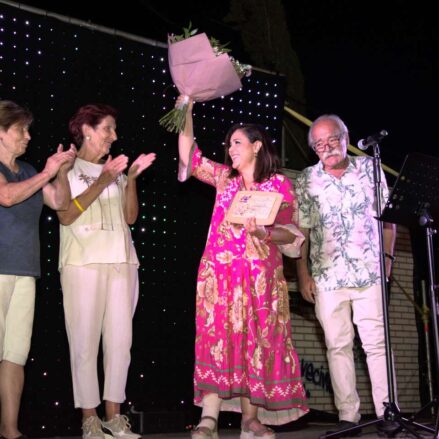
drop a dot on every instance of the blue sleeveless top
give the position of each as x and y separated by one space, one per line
19 228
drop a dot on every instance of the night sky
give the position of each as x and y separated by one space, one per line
374 64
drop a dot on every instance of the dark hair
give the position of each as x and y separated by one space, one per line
267 161
91 115
11 113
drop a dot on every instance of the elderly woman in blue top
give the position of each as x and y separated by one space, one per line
22 193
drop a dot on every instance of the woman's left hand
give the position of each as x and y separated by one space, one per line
251 227
140 164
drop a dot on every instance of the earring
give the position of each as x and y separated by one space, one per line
87 137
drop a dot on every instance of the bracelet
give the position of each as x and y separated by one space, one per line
267 237
391 257
78 205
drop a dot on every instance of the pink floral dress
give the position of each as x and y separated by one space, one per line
243 344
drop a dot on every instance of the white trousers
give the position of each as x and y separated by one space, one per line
99 299
336 310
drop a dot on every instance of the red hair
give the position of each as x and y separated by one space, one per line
91 115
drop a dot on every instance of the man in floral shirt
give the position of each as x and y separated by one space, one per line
337 214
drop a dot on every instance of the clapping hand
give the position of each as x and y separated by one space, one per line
70 156
60 160
112 169
140 164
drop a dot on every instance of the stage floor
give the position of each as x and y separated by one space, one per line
311 431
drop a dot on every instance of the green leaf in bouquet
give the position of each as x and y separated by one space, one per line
217 47
187 33
175 120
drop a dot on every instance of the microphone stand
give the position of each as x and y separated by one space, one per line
425 219
391 411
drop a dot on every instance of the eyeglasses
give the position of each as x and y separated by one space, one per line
332 141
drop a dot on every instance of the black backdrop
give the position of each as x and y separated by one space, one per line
53 67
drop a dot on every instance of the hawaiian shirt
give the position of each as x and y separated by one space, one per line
341 215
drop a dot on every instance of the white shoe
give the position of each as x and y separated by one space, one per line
119 427
92 428
252 429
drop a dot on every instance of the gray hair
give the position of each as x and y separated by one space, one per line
332 117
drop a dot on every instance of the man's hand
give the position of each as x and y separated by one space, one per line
307 288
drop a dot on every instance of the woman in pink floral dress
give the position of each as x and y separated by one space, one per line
245 360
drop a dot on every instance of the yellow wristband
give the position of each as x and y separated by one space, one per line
81 209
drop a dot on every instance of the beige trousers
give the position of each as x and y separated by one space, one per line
336 310
99 299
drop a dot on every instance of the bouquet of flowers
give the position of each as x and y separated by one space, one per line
202 69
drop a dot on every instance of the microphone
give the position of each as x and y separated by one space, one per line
363 144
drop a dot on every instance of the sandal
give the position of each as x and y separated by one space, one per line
258 431
205 432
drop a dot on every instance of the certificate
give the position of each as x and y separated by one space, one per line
261 205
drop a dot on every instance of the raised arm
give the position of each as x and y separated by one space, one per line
111 170
186 137
14 193
57 193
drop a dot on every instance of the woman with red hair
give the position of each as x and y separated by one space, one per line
98 265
